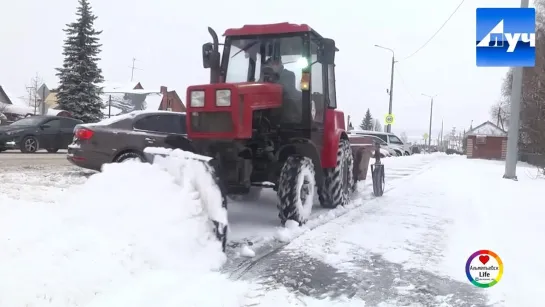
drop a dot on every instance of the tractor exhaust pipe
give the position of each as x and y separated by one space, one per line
215 57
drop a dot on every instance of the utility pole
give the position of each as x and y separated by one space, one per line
514 121
431 116
43 101
133 68
391 91
441 135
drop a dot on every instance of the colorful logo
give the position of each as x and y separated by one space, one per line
484 268
506 37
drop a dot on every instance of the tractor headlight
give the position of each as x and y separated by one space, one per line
223 98
197 99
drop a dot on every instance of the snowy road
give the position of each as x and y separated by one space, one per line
70 239
41 176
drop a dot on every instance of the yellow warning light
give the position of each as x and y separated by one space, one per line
305 81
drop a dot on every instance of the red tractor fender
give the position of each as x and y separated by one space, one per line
334 131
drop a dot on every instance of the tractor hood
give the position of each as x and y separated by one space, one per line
224 110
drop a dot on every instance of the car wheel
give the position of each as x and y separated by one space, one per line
52 150
406 153
398 153
29 145
131 155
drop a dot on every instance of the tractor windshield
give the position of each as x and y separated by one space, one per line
248 55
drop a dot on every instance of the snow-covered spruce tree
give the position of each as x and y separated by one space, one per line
367 122
79 76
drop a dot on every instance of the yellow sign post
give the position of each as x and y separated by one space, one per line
389 119
425 136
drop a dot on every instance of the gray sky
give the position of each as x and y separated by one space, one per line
165 37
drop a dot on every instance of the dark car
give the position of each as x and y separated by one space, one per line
451 151
38 132
124 137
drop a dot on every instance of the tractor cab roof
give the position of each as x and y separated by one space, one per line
271 29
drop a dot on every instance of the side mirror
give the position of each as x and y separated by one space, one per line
210 57
326 55
207 51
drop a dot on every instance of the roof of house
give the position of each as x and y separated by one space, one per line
114 87
12 98
487 129
19 109
4 94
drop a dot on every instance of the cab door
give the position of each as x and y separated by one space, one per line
318 79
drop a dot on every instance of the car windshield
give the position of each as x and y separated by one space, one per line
395 140
29 121
247 56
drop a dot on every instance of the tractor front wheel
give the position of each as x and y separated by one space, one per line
296 186
339 181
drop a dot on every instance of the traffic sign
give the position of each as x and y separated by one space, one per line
389 119
426 136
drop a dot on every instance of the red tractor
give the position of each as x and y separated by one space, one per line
269 117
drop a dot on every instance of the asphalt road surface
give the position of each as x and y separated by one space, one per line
15 159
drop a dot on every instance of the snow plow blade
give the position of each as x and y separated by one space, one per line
198 174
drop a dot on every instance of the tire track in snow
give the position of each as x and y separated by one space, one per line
237 268
379 281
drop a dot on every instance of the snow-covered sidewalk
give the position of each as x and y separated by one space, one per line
411 246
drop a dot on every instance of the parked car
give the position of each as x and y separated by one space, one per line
385 150
415 149
452 151
123 137
395 143
38 132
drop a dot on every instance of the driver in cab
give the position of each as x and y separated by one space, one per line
273 71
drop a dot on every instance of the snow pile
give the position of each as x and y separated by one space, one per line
128 230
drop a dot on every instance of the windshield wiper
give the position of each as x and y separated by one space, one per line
248 46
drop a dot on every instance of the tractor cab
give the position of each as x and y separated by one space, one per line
284 71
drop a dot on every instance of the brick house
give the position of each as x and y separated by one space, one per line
171 101
486 141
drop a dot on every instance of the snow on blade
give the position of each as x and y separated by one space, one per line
129 223
178 153
192 171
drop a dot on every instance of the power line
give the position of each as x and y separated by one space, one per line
405 85
436 32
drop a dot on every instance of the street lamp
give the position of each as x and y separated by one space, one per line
431 116
391 92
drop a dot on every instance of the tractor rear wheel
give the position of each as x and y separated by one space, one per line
339 181
296 186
